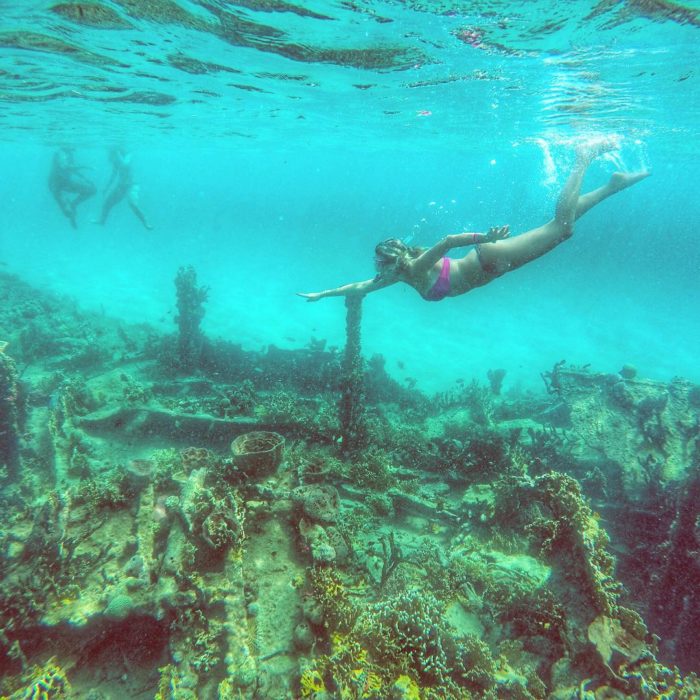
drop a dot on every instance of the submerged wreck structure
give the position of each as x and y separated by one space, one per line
200 529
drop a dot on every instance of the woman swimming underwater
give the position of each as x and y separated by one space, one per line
435 276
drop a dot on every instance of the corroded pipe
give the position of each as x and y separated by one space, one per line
352 424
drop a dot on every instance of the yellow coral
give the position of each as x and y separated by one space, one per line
328 584
46 682
298 581
405 688
329 590
311 682
342 647
366 683
163 691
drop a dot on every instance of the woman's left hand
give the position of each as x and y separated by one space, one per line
311 296
497 233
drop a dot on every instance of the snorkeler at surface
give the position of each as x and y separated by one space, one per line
435 276
121 184
68 185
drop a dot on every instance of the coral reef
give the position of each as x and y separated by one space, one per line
45 682
480 543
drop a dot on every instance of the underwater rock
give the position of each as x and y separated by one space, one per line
339 544
135 567
223 527
304 637
608 635
312 610
628 372
621 395
319 502
316 539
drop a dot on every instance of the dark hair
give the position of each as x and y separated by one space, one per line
394 252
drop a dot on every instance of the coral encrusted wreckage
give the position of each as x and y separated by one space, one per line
188 520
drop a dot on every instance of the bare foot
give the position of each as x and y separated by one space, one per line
620 181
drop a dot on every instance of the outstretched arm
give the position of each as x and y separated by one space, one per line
457 240
352 289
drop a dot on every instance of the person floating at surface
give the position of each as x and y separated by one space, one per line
121 184
68 185
435 276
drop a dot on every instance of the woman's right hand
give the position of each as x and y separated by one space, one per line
311 296
497 233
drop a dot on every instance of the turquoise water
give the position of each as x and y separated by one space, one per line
183 519
275 143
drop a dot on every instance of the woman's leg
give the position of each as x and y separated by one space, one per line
83 188
617 182
134 204
511 253
113 197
